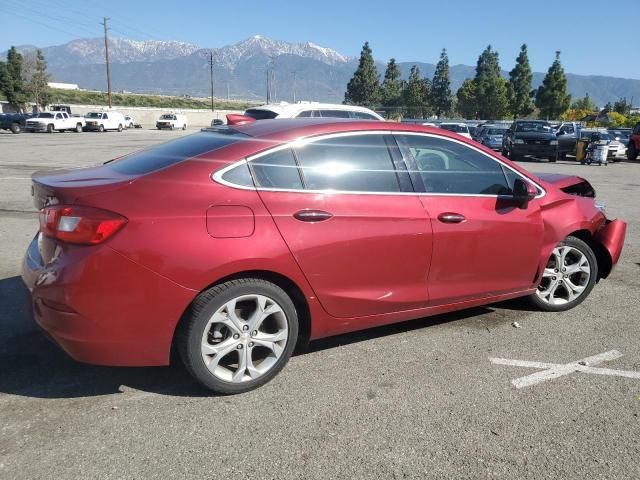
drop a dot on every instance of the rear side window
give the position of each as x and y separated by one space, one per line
259 114
277 170
305 114
449 167
358 163
363 116
170 153
335 113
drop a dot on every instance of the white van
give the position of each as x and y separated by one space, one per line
103 121
171 121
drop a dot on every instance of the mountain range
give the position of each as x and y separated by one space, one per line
240 70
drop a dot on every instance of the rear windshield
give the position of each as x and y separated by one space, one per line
455 128
166 154
259 114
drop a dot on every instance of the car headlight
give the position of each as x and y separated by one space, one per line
519 141
553 142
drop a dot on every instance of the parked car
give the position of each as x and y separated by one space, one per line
634 143
103 121
311 109
620 134
171 121
530 137
459 128
15 122
129 122
491 136
54 121
617 150
273 233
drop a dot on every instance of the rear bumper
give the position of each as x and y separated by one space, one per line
611 236
103 308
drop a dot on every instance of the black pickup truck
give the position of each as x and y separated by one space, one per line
530 137
14 121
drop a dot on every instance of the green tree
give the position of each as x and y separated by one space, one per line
364 87
391 89
622 107
520 77
607 108
441 98
11 80
584 103
467 105
37 84
552 97
416 95
491 88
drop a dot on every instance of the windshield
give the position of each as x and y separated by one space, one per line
455 128
45 115
93 115
166 117
533 127
603 135
260 114
620 133
496 131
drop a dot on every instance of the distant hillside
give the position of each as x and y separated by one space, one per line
314 72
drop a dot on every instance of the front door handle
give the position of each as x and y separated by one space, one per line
312 216
450 217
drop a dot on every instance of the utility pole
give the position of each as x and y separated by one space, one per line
269 78
294 86
106 54
211 75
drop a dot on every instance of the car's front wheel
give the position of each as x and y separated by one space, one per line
568 277
238 335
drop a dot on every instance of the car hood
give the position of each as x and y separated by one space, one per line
568 183
41 120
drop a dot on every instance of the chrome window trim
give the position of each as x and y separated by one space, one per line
217 176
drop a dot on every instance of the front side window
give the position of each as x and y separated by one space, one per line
357 163
449 167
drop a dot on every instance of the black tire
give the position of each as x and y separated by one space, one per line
78 128
119 127
171 127
586 250
192 328
553 158
184 127
505 153
50 128
632 153
101 128
131 125
15 128
562 156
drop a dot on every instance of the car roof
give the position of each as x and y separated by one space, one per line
285 107
288 129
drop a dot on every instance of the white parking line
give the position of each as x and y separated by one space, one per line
556 370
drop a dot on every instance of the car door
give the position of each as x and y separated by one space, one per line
483 243
346 209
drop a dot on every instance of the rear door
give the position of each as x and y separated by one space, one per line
345 207
483 244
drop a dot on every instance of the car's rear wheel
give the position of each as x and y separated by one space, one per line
184 127
79 128
119 127
238 335
568 277
50 128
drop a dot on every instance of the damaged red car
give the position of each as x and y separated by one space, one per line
236 244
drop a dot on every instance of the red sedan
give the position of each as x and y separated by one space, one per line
237 243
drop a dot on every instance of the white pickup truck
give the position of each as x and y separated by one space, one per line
54 121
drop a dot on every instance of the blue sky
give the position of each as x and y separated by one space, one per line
594 37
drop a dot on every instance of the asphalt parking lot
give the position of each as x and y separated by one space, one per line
421 399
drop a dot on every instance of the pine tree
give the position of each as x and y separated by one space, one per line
520 77
416 95
490 87
11 81
38 85
364 87
391 90
441 98
584 103
467 105
552 97
622 107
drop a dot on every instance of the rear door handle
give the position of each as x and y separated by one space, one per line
450 217
312 216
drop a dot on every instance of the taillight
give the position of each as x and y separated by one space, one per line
79 225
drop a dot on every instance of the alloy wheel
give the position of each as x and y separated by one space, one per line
244 338
565 277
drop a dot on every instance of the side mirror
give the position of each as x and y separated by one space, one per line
523 192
